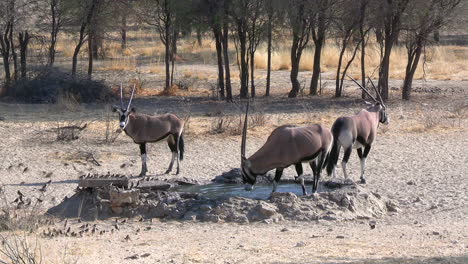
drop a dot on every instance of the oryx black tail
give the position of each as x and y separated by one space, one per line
181 147
335 150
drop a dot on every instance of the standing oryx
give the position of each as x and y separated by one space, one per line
148 129
287 145
358 131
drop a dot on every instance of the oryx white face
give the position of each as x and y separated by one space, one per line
383 117
248 178
123 116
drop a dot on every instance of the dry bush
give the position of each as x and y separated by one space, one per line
221 124
70 130
258 116
112 131
172 91
19 250
67 102
120 64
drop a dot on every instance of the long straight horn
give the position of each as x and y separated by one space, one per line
244 132
131 97
121 96
377 92
364 89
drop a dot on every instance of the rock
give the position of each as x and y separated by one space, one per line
411 182
435 233
284 229
266 210
205 207
124 197
372 224
301 244
391 206
117 209
340 237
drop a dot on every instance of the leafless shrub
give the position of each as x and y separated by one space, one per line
70 130
185 83
430 121
258 116
186 115
111 132
214 89
221 124
19 250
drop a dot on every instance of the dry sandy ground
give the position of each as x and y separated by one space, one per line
420 160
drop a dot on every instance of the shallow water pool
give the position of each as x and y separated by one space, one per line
260 191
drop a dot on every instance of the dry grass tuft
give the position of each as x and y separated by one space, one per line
121 64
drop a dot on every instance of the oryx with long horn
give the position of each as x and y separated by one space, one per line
287 145
358 131
145 129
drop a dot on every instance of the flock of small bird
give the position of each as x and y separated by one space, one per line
87 229
21 201
102 176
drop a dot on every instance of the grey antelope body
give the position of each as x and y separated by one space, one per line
145 129
359 132
287 145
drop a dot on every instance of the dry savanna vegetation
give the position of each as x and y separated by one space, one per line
70 189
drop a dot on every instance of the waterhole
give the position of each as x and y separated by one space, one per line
260 191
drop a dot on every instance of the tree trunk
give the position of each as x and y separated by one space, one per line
244 67
123 32
295 60
219 56
90 56
23 38
412 65
316 68
363 61
227 70
15 57
199 37
268 78
347 67
384 70
53 33
5 50
252 74
77 48
338 68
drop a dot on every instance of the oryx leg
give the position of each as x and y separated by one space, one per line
300 176
171 142
317 166
278 174
347 154
363 157
144 168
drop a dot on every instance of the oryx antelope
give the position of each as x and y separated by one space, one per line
144 129
358 131
287 145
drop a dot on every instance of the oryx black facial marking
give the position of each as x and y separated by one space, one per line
358 131
145 129
287 145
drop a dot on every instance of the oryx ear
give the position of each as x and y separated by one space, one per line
367 103
114 108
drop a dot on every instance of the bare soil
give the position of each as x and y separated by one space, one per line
419 161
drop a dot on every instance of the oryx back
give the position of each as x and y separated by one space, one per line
144 128
290 145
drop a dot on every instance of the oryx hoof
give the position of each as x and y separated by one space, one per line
177 172
167 172
142 174
363 181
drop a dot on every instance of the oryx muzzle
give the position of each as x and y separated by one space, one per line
144 129
287 145
358 131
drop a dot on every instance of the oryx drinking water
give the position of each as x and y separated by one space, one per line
287 145
144 129
358 131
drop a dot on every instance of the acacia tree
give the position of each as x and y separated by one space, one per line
429 17
257 26
322 13
364 29
388 20
273 16
225 42
238 10
300 23
347 23
7 21
166 17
